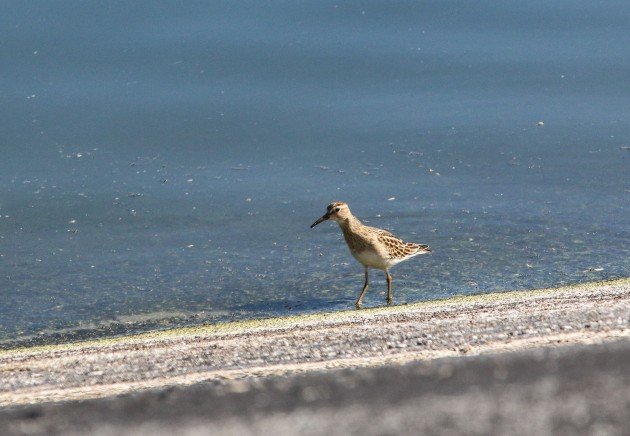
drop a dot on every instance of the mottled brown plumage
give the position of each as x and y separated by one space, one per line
372 247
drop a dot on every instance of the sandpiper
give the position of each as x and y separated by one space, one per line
372 247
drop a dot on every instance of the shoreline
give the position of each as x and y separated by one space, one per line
484 324
299 319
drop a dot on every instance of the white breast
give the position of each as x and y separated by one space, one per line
371 259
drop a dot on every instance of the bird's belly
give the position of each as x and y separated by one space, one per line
371 259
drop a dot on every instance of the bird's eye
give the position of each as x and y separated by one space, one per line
337 210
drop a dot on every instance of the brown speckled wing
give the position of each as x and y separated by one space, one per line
396 248
384 233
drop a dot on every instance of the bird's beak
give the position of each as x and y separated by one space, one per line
322 219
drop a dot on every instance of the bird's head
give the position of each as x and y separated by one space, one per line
336 211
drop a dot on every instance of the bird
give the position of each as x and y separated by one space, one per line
372 247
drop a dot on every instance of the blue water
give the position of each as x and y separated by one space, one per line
161 162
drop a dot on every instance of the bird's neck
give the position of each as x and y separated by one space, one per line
349 225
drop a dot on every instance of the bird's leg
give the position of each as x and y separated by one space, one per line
390 295
365 286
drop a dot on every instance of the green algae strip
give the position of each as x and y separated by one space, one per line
285 322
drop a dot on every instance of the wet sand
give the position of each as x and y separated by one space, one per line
255 364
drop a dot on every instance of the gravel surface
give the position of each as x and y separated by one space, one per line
458 326
231 359
572 390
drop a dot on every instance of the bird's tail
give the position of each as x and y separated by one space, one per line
420 248
424 248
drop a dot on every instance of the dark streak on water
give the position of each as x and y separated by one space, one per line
161 161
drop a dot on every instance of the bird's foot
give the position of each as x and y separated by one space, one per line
389 301
357 305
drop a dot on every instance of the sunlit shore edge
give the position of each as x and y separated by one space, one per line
320 318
